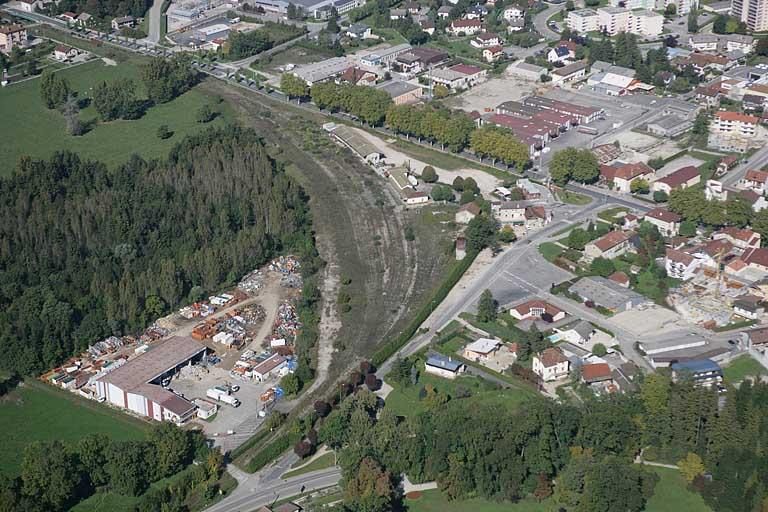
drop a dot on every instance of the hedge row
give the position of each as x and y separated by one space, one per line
250 443
269 453
392 346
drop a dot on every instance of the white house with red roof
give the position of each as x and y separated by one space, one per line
611 245
622 175
666 221
754 180
742 239
485 40
493 53
537 310
682 178
465 27
551 364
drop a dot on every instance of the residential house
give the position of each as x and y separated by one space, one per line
630 221
444 11
427 26
559 53
467 212
537 310
528 189
285 507
570 73
609 246
123 22
359 31
481 349
485 40
596 373
478 12
623 175
515 25
666 221
69 17
12 36
681 265
715 191
580 333
28 5
682 178
754 180
464 27
709 95
401 14
444 366
756 259
742 239
703 372
493 54
704 42
84 19
512 13
551 364
748 306
357 76
704 62
63 52
620 278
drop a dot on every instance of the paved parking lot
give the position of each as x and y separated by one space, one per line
241 419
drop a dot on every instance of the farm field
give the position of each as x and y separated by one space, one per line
27 122
48 413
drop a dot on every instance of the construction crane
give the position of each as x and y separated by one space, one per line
719 275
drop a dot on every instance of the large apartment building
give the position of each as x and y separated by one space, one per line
11 36
613 20
752 12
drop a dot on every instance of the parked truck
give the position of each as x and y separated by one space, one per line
221 395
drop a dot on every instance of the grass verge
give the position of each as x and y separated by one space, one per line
324 461
741 368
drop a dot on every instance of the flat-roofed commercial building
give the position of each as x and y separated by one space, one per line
137 384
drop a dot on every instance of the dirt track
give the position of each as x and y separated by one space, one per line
359 228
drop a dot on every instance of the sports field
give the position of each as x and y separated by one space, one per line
30 129
38 412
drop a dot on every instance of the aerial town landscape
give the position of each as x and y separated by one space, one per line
384 255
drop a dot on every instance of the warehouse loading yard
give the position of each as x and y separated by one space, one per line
184 368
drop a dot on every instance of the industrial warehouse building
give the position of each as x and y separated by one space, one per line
137 385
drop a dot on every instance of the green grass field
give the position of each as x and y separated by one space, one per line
38 412
550 251
670 495
575 198
742 367
324 461
30 129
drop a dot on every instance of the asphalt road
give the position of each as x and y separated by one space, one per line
540 22
155 17
248 496
757 161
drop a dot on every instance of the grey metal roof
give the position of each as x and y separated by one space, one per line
606 293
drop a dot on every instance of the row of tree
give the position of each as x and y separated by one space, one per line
366 103
55 476
152 235
692 205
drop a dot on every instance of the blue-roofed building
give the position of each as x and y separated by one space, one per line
443 366
703 372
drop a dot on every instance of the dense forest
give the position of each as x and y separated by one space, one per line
56 475
579 457
87 251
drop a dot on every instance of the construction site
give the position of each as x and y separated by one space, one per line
707 299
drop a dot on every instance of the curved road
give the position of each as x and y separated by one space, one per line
540 21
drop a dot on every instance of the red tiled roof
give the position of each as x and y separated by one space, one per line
486 36
596 371
631 171
611 240
679 256
663 215
466 23
681 176
737 264
745 235
472 208
495 49
756 256
619 277
608 171
465 69
736 116
535 211
756 176
525 307
551 357
715 247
